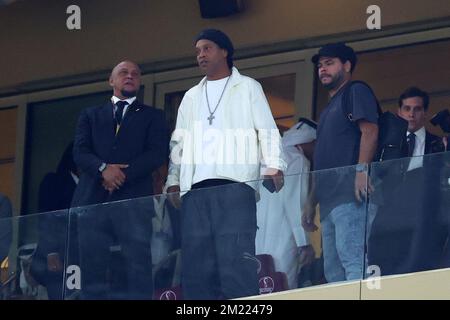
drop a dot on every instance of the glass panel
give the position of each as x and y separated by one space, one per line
234 242
114 249
255 237
287 255
410 231
344 215
35 266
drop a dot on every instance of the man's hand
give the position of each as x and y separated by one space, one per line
113 176
306 255
173 193
363 186
309 212
276 176
107 187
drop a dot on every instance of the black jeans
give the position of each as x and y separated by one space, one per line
218 242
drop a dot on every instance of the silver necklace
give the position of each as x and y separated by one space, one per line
211 114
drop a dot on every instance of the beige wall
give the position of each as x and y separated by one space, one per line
40 47
428 285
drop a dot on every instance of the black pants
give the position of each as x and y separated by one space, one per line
104 275
218 242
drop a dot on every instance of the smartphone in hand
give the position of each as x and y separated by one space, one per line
269 185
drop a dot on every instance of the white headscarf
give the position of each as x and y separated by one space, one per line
300 133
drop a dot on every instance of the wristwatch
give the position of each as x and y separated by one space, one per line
361 167
102 167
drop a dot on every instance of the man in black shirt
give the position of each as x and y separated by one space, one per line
342 140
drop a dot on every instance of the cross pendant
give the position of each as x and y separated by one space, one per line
210 118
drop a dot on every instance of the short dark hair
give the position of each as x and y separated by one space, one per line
337 50
412 92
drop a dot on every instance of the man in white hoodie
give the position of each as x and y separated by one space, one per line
223 133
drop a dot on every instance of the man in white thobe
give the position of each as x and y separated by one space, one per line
280 233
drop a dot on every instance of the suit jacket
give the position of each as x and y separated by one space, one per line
142 143
394 171
433 144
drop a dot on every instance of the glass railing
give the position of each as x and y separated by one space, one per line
239 239
35 266
411 228
114 250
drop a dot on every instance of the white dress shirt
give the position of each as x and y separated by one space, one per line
114 100
74 177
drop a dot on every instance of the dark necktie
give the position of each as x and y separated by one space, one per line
119 111
411 139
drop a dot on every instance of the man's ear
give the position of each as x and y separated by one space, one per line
347 66
225 53
111 82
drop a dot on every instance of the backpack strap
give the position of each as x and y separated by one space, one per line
347 99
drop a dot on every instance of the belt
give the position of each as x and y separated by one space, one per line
211 183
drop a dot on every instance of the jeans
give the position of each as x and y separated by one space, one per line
343 237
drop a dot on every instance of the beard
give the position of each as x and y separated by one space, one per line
128 94
336 81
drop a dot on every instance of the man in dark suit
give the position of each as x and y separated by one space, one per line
407 235
117 147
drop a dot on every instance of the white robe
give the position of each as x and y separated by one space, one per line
279 214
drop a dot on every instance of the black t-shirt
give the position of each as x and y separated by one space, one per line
338 141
